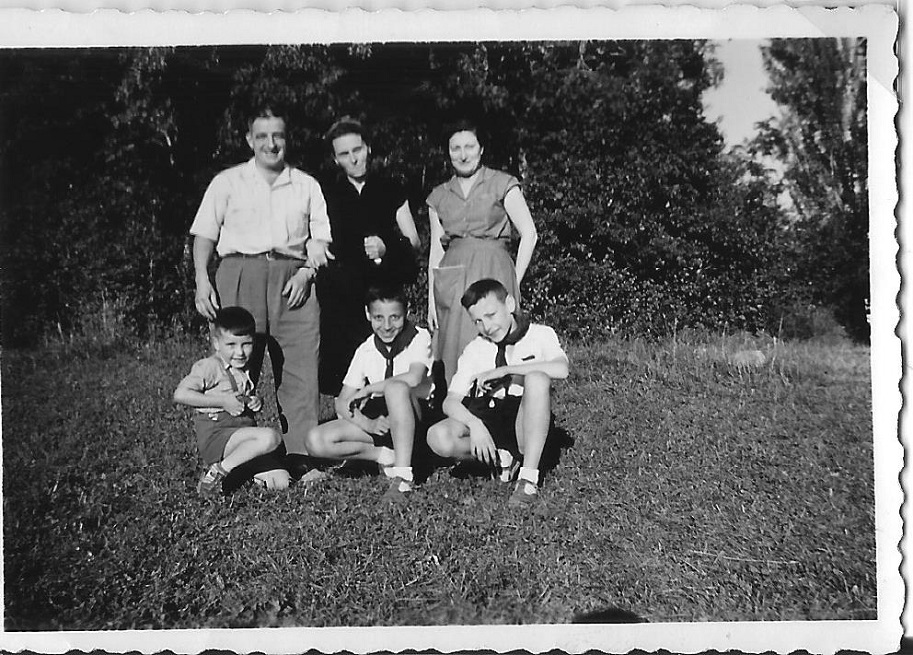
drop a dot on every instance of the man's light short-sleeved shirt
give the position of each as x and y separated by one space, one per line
539 344
368 364
244 214
210 375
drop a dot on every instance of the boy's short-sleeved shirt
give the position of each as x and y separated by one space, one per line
210 375
368 364
539 344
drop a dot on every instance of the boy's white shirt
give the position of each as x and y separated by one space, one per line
368 363
539 344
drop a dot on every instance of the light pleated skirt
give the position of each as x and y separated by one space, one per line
466 261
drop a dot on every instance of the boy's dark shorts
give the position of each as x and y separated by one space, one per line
213 434
377 406
499 415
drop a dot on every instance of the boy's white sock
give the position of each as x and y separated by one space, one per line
528 474
505 458
386 457
404 472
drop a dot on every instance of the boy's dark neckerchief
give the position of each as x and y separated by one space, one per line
521 322
398 345
521 327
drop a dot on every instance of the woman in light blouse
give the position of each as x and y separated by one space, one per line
471 217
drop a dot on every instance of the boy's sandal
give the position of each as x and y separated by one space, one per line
211 479
386 471
521 496
398 492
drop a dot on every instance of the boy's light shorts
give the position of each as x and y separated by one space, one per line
500 417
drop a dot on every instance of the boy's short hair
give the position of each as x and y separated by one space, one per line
234 320
386 293
345 125
482 288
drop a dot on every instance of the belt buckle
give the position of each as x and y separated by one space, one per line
270 255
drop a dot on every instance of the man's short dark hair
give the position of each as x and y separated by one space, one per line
386 293
234 320
482 288
345 125
264 111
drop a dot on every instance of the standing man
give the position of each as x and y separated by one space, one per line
268 223
374 238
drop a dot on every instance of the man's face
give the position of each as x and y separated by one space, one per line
492 317
387 319
465 153
351 153
235 350
267 139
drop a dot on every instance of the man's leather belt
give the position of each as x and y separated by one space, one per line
272 254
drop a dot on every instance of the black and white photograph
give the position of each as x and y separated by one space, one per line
561 329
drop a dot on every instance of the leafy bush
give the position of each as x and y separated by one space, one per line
645 224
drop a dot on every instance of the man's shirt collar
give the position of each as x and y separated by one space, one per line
251 171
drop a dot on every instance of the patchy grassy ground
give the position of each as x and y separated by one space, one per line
693 490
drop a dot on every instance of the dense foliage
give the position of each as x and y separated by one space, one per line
821 141
646 224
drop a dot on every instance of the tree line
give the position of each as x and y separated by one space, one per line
647 223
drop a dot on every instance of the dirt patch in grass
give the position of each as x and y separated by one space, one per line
687 489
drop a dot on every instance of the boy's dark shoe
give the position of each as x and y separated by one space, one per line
525 494
300 467
398 492
211 480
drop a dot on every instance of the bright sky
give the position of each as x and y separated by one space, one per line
740 100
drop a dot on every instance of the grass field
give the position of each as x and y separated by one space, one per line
688 489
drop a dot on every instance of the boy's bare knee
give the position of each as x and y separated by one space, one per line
439 440
270 439
314 441
536 382
396 389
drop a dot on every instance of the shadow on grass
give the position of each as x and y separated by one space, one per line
557 441
608 615
425 463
